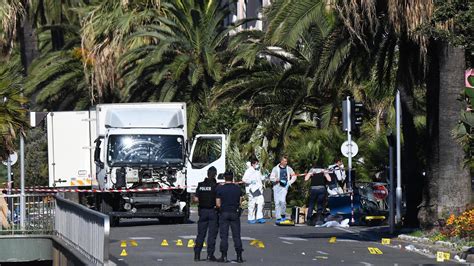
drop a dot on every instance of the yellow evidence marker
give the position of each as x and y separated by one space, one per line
123 244
439 256
191 243
164 243
375 251
133 243
447 256
204 244
254 242
332 239
179 243
260 244
124 253
385 241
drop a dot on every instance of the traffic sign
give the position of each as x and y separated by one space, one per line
346 148
13 159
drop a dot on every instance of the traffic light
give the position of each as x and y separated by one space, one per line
355 112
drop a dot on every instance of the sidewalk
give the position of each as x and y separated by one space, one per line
418 244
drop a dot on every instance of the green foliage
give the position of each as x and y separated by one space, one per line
452 21
12 108
184 58
218 120
57 82
36 159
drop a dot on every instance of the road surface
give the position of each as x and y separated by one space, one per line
296 245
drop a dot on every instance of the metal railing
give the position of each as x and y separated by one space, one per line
39 214
83 229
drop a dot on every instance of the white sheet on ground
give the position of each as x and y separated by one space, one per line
344 223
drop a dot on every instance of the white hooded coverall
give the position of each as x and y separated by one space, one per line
253 178
279 192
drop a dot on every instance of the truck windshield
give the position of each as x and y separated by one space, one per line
145 150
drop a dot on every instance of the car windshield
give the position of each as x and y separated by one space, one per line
145 150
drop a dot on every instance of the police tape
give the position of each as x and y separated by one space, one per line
79 190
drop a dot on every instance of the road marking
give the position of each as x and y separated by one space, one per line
347 240
322 252
188 237
247 238
345 230
286 242
366 263
141 238
320 257
293 238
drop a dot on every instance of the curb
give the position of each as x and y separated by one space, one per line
427 245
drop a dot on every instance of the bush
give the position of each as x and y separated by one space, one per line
461 226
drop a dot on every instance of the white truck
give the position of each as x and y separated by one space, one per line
131 147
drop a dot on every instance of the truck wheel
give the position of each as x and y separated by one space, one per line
114 221
106 207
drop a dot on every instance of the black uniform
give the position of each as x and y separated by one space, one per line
206 192
318 191
229 194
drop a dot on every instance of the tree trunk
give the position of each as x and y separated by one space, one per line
448 184
28 41
411 172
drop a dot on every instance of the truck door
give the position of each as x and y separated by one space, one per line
206 151
69 153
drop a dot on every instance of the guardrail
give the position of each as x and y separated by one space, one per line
83 229
39 215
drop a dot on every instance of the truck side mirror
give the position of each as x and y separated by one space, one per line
97 160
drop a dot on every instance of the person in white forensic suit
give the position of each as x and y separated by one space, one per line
254 187
283 177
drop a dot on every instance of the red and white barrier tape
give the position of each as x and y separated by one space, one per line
56 190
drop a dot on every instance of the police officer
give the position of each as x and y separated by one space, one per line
208 219
228 198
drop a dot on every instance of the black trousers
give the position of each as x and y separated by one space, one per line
318 195
208 221
232 220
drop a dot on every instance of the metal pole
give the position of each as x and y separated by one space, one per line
391 213
9 175
399 163
9 187
22 182
349 139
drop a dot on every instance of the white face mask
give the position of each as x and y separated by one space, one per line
257 166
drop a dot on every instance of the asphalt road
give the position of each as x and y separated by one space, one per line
296 245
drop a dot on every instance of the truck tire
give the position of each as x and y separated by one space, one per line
105 207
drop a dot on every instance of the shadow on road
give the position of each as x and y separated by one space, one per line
145 222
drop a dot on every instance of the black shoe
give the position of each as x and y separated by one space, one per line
239 257
197 256
223 258
211 258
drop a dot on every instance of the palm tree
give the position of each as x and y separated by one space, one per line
106 30
184 58
402 20
12 108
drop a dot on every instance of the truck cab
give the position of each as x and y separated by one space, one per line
138 154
